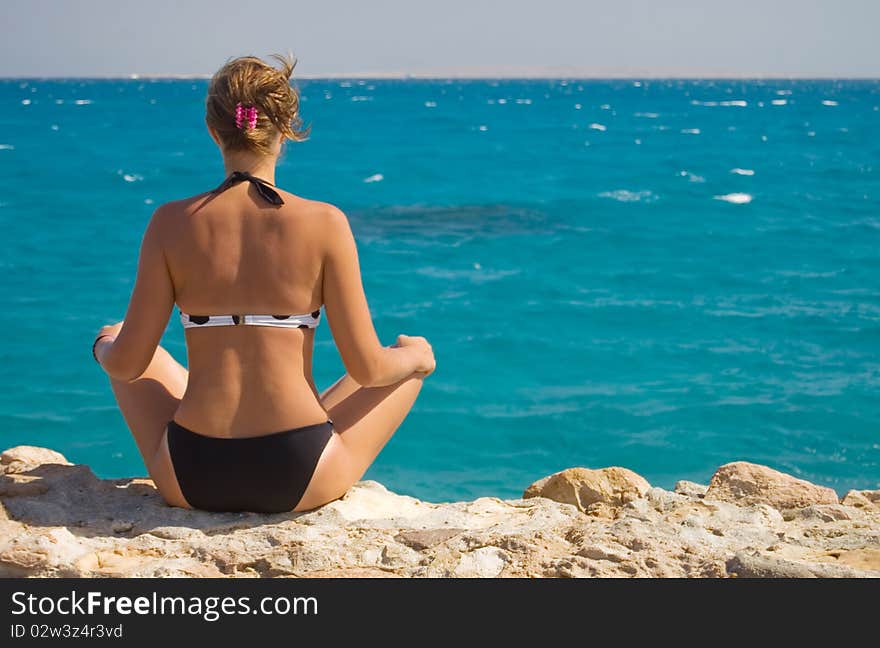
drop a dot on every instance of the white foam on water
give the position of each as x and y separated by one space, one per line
605 107
843 129
735 198
148 201
132 177
7 147
25 102
737 102
376 177
430 104
502 101
598 127
703 103
59 101
83 102
637 84
345 84
779 102
361 98
783 93
625 195
829 102
524 101
692 177
577 106
811 133
646 115
637 141
483 127
744 172
763 138
690 131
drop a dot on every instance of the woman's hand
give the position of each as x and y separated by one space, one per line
424 354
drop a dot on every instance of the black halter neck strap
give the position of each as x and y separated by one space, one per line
263 188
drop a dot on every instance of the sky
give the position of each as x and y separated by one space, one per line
797 38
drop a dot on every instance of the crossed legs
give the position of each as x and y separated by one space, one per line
364 419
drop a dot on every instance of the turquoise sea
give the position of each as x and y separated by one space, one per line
663 275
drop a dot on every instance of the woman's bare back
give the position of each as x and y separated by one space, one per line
230 253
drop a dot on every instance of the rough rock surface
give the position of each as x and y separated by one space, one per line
58 519
747 483
584 488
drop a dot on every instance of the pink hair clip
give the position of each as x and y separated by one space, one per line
242 113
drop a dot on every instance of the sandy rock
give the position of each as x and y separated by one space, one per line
743 565
583 487
689 488
20 457
58 519
863 499
747 483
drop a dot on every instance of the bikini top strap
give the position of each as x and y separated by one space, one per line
263 188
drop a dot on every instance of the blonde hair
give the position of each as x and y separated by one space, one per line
251 81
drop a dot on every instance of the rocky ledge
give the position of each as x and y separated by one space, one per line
58 519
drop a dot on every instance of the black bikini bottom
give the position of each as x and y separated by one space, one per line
264 474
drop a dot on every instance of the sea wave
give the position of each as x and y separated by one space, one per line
744 172
739 103
692 177
625 195
735 198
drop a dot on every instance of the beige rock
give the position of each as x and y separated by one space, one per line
863 499
19 457
689 488
747 483
58 519
583 487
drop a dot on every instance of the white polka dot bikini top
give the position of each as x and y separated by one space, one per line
308 320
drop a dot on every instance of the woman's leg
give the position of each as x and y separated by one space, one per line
147 404
364 419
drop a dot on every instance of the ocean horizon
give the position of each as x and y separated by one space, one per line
661 274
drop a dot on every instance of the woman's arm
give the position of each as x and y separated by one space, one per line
365 359
128 355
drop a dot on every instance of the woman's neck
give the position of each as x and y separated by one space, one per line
262 167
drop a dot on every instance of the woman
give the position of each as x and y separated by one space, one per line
250 266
